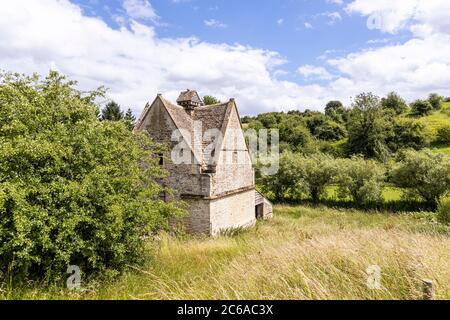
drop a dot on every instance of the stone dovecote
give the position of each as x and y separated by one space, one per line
218 181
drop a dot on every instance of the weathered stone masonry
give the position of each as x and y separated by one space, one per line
219 186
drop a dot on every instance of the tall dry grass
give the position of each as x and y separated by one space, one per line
303 253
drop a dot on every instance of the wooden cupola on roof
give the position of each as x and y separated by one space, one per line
189 99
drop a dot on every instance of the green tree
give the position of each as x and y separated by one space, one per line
294 132
369 126
423 173
336 111
316 172
360 179
421 108
129 119
330 131
394 102
443 135
409 134
112 112
210 100
73 189
435 100
287 184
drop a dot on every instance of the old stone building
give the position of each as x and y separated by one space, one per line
208 161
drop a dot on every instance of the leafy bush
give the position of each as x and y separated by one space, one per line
300 176
295 133
394 102
435 100
425 174
409 134
360 179
73 189
331 131
443 135
336 111
421 108
316 172
443 212
287 183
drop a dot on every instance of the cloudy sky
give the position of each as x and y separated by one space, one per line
269 54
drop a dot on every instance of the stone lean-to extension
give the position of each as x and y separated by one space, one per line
215 175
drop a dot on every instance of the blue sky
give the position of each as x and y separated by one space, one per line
301 31
270 55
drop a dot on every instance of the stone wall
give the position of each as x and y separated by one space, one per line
198 221
237 210
183 178
234 168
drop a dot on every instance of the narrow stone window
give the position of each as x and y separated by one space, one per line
161 159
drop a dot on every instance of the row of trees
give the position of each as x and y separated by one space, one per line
423 175
372 127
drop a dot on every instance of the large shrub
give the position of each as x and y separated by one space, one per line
73 189
300 176
421 108
394 102
316 172
443 212
423 173
435 100
409 134
443 135
360 179
336 111
287 184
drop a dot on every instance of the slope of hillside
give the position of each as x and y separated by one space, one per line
434 122
437 119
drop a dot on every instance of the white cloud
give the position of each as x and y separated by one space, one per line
338 2
309 71
421 17
333 17
414 68
213 23
280 22
140 9
136 64
308 25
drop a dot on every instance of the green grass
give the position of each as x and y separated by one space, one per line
437 119
302 253
389 193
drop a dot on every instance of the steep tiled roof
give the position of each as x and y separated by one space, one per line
181 118
211 117
189 95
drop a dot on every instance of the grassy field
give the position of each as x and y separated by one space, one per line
437 119
302 253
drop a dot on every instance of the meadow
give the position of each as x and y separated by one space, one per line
302 253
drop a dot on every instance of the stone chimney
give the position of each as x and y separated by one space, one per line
189 100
